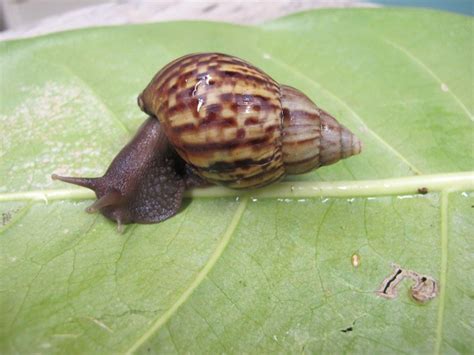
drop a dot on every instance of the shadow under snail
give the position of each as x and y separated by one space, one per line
213 118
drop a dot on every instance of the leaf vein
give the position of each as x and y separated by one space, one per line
160 321
422 65
444 270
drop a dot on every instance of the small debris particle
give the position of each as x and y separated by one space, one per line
423 190
444 87
349 329
355 259
100 324
242 283
6 217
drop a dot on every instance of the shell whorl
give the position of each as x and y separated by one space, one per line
312 137
234 125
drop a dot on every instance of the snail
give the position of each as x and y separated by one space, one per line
213 119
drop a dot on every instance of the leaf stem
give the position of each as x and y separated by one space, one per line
298 189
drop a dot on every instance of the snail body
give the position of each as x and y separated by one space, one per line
214 118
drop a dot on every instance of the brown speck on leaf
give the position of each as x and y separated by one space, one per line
6 217
423 190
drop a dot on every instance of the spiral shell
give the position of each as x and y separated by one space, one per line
236 126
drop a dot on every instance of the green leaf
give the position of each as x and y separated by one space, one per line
261 271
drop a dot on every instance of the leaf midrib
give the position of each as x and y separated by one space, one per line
361 188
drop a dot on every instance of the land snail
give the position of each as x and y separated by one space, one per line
213 119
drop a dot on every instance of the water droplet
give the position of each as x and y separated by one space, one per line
200 103
196 86
404 197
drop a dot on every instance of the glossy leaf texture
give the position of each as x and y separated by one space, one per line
269 270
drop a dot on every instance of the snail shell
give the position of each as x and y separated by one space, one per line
229 122
236 126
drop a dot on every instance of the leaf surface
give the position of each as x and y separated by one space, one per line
269 270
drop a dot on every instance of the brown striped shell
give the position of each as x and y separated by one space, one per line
236 126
